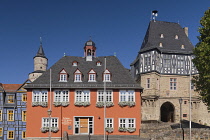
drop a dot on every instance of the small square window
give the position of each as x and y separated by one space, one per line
184 115
74 63
161 36
161 45
1 131
185 102
10 99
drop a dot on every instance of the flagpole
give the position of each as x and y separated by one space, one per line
190 105
104 98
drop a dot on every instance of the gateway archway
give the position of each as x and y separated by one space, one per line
167 112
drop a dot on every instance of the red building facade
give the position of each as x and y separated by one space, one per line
75 91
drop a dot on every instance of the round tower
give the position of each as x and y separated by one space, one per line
40 64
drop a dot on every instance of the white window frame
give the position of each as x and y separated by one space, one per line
61 96
40 96
13 114
126 124
54 122
109 123
74 63
82 96
92 76
77 76
109 96
98 63
126 96
63 76
173 83
107 76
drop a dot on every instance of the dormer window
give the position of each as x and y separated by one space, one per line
10 98
63 76
161 45
92 76
182 47
107 76
98 63
161 36
75 63
77 76
176 37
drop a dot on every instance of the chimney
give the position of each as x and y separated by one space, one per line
186 30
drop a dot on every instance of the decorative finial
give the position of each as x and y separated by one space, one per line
64 54
115 54
90 37
40 40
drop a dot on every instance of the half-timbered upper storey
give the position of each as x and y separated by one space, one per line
166 49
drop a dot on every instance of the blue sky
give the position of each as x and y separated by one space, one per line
116 26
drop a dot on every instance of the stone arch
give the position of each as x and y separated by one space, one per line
167 112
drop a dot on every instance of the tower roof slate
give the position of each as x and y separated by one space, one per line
120 76
40 52
169 30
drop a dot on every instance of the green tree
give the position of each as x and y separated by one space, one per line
202 59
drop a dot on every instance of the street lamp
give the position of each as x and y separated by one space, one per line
49 112
180 102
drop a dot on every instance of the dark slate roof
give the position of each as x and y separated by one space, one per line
120 76
90 43
170 44
40 52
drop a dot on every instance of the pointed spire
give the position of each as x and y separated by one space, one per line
40 52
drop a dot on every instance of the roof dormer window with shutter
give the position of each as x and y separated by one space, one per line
92 76
98 63
77 76
75 63
63 76
107 76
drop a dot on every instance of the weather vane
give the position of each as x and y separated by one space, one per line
154 14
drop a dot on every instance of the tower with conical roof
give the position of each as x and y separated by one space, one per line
40 64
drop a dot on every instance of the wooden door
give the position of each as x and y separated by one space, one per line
84 125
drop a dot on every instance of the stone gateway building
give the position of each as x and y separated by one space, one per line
164 68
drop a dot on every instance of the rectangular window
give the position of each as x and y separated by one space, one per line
24 97
0 115
148 82
10 99
92 77
24 116
40 96
82 96
192 85
1 131
147 60
23 134
127 95
107 77
10 115
54 122
109 96
185 115
173 83
10 134
63 77
127 123
61 96
109 123
180 61
167 61
77 78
